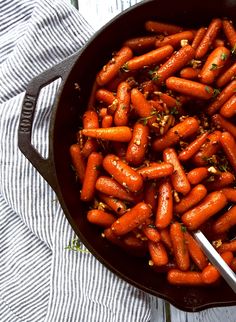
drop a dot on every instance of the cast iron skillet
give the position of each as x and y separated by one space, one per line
69 106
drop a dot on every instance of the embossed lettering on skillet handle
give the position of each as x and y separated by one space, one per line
44 166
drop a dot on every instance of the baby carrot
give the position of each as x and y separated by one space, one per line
110 70
178 277
150 194
158 253
210 205
227 76
175 63
218 43
151 233
152 57
77 161
156 170
189 73
121 116
198 37
230 32
210 35
189 87
116 205
193 147
230 246
118 133
107 121
229 107
91 145
196 175
161 27
178 178
165 238
164 212
132 219
90 120
230 194
94 164
141 106
138 145
100 218
221 181
225 221
105 96
141 43
195 252
175 39
191 199
180 249
221 123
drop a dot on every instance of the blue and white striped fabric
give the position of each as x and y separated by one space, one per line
39 279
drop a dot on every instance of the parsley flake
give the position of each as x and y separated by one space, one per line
75 245
213 66
224 56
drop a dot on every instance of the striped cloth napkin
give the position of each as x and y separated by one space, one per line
40 280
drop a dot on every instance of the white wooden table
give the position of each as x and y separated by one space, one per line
97 13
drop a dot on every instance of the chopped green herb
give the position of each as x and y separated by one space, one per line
224 56
125 68
183 228
213 66
233 50
123 107
174 111
207 89
216 92
152 226
75 245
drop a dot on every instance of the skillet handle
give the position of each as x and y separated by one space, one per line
43 165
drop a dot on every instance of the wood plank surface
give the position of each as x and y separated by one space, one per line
97 13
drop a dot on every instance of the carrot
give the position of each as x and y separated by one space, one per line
189 87
198 37
118 133
180 249
77 161
178 178
152 57
113 189
229 107
111 69
91 174
132 219
175 39
223 97
189 278
212 67
193 147
175 63
211 146
107 121
210 274
151 233
227 76
196 175
191 199
109 235
122 173
150 194
155 170
165 238
105 96
103 112
221 181
158 253
225 221
91 145
100 218
138 145
116 205
218 43
90 120
164 212
210 35
167 99
230 32
195 252
133 245
230 246
121 116
141 43
161 27
221 123
141 106
210 205
189 73
230 194
182 130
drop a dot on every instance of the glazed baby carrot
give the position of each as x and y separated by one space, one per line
151 233
116 205
167 99
193 147
118 133
230 194
212 67
152 57
156 170
210 274
221 181
221 123
107 121
175 63
141 106
164 212
165 238
178 178
158 253
105 96
226 221
178 277
197 175
77 161
218 43
141 43
94 164
229 107
122 173
229 32
138 145
133 218
230 246
189 73
189 87
210 205
121 116
227 76
180 249
182 130
90 120
191 199
100 218
150 194
160 27
110 70
195 252
210 35
229 146
198 37
175 39
91 145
